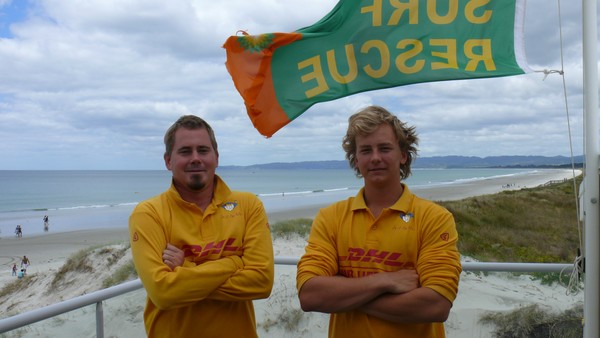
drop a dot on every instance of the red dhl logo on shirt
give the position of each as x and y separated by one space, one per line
356 274
213 248
375 256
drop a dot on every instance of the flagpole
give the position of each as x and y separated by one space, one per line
591 310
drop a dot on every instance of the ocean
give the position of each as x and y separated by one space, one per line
76 200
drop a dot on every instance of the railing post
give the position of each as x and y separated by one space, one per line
99 320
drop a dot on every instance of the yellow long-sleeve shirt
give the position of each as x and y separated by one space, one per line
413 233
228 263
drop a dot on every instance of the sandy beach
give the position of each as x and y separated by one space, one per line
478 293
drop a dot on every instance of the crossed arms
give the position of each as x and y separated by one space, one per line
171 281
393 296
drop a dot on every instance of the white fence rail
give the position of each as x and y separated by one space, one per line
34 316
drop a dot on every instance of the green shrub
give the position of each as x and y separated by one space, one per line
124 273
528 225
288 228
532 322
19 285
78 262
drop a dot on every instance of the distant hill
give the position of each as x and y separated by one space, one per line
494 161
442 162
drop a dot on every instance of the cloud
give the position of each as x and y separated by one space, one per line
95 84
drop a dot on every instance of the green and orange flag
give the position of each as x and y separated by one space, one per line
364 45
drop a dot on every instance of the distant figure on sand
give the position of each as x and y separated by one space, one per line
14 269
203 251
25 262
383 263
21 273
19 231
46 224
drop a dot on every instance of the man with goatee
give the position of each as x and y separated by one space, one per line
203 252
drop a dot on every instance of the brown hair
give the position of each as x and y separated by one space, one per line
188 122
365 121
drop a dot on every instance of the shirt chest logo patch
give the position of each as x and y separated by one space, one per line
229 206
407 217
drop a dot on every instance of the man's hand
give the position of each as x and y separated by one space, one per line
173 257
400 281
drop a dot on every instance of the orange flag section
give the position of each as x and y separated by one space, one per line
249 64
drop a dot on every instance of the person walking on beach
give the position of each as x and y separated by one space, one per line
19 231
383 263
46 223
202 251
14 269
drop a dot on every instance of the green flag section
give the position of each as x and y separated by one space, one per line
364 45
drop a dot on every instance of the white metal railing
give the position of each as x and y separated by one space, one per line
97 297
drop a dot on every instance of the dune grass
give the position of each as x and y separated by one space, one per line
122 274
81 262
287 229
18 285
77 262
528 225
531 321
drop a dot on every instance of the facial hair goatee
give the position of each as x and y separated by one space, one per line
196 183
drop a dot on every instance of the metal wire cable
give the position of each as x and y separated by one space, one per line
574 279
572 286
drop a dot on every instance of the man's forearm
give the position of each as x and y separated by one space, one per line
421 305
171 289
337 293
248 283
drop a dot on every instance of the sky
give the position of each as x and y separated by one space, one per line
94 85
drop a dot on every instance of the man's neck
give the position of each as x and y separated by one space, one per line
378 198
201 198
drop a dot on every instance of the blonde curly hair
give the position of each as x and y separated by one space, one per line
366 121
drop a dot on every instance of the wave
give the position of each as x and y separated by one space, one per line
78 207
96 206
475 179
483 178
305 192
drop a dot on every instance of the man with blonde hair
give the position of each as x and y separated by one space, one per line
385 262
